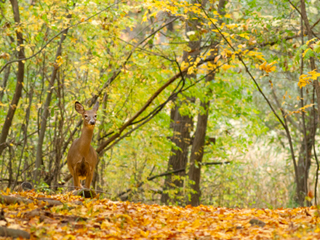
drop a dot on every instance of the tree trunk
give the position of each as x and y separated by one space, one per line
304 162
45 112
200 134
25 135
20 76
95 181
182 126
5 81
197 154
312 61
59 138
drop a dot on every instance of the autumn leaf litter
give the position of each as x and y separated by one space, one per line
79 218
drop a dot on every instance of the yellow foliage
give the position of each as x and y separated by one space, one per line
306 51
300 110
257 55
244 35
305 79
226 67
232 26
59 61
5 56
268 67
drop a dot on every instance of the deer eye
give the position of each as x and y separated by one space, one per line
95 115
85 115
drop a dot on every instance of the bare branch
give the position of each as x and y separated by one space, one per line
287 116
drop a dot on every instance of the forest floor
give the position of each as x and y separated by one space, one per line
39 216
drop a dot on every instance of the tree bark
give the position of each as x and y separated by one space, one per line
182 126
200 134
312 61
20 77
5 81
96 185
25 133
197 154
59 139
179 155
45 109
304 162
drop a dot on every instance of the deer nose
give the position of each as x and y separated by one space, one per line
92 122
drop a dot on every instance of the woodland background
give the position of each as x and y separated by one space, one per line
211 102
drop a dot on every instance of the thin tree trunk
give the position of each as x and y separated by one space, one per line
5 81
59 138
25 133
312 61
96 178
305 162
11 156
20 76
45 110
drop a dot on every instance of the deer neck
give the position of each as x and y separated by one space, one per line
85 139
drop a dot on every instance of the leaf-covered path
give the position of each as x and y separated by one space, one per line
71 217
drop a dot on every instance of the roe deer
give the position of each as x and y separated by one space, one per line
82 158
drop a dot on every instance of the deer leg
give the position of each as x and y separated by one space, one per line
76 181
89 179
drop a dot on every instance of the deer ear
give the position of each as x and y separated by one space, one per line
96 106
79 108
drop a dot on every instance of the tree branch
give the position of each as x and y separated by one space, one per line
287 116
58 34
170 173
245 66
145 106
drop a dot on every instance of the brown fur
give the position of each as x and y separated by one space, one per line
82 158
